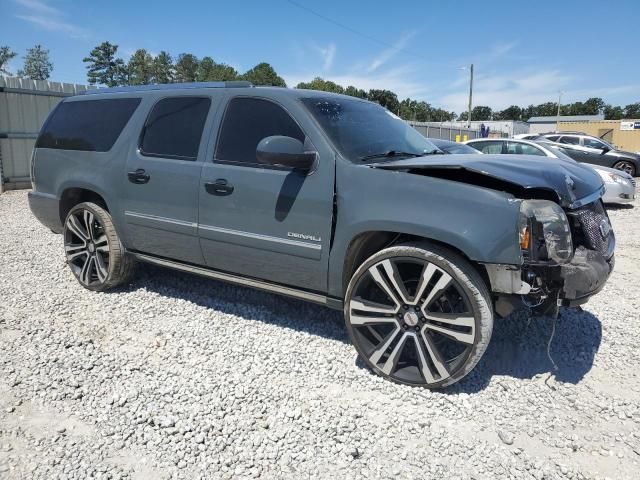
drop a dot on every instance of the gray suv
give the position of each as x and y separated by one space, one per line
326 198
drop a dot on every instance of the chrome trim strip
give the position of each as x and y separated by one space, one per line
236 279
588 199
161 219
258 236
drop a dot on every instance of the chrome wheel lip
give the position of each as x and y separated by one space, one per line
86 247
434 370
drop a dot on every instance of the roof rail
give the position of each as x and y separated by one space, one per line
171 86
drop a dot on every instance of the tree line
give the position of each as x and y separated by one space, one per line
105 67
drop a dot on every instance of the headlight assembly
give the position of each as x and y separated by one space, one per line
545 236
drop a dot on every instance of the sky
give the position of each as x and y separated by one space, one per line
523 52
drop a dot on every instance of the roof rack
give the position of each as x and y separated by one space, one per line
171 86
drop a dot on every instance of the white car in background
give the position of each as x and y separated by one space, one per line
620 186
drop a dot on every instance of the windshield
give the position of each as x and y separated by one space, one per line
364 131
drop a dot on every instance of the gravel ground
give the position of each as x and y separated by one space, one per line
176 376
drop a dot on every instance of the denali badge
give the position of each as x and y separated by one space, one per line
302 236
605 228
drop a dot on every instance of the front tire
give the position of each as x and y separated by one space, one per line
94 251
419 315
625 166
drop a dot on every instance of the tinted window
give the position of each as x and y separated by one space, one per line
593 143
246 122
488 147
523 149
553 138
174 128
570 140
88 125
458 149
362 129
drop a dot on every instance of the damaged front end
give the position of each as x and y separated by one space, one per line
565 237
567 256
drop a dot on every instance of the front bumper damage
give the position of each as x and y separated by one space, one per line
584 276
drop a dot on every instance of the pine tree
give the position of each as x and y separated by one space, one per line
264 74
163 69
141 68
186 68
36 64
6 55
104 68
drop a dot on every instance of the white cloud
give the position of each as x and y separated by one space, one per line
328 55
49 18
387 54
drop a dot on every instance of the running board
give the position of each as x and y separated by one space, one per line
330 302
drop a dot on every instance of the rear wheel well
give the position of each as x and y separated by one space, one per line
368 243
73 196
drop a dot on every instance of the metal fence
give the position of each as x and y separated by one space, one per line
437 130
24 106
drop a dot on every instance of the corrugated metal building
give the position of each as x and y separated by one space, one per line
548 124
24 106
507 128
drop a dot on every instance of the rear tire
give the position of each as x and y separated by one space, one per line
419 314
94 251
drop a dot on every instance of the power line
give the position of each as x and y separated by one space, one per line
356 32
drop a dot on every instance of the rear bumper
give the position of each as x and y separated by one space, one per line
584 276
46 208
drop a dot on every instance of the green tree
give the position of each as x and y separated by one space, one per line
186 68
6 55
355 92
386 98
103 68
264 74
613 112
141 68
163 69
321 84
632 110
510 113
480 113
210 71
37 65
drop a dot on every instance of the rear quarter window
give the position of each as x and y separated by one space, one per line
88 125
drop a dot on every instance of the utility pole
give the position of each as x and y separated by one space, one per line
470 95
558 115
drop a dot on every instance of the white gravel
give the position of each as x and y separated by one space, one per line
181 377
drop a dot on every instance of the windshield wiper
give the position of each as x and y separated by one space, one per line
392 153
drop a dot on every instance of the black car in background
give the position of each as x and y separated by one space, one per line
589 149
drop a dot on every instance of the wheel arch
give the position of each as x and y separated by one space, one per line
365 244
73 195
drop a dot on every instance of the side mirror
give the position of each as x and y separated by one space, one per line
605 149
285 152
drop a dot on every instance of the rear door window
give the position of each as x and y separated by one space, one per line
523 149
570 140
87 125
488 147
174 128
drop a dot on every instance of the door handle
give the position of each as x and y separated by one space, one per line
220 187
138 176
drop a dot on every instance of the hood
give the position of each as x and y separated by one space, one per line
525 176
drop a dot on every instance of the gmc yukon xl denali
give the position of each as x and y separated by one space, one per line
325 198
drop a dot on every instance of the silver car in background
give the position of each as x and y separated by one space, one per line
620 186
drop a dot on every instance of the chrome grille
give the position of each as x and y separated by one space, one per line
592 228
633 182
